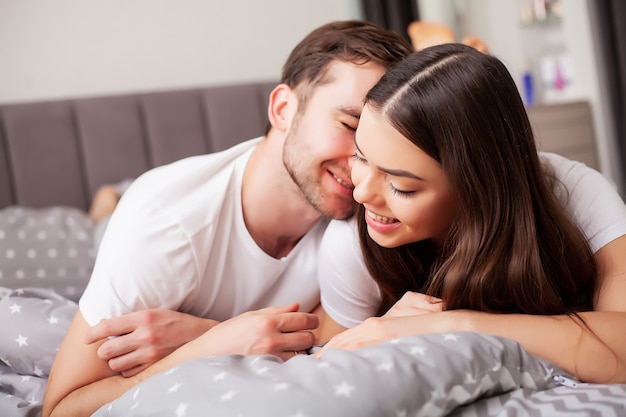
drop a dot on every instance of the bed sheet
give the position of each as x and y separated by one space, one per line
34 321
454 374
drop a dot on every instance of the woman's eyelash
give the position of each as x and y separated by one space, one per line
394 191
401 193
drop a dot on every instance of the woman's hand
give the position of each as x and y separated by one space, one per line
414 313
415 304
370 332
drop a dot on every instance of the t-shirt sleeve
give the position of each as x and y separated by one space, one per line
144 262
349 295
591 199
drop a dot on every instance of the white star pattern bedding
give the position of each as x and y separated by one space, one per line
458 374
48 248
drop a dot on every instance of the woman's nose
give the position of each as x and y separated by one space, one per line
364 187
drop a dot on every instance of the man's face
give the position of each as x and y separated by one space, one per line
320 142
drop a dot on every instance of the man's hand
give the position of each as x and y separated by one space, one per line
281 331
139 339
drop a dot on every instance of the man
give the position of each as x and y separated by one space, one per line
214 236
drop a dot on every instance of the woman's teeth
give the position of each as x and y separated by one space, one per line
381 219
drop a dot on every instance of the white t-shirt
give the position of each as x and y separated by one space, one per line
177 240
349 294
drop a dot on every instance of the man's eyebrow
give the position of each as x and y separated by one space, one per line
351 111
393 172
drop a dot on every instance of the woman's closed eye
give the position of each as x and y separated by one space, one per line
401 193
359 158
395 191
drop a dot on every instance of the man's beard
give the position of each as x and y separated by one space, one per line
303 174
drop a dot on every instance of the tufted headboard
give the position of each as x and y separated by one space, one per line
60 152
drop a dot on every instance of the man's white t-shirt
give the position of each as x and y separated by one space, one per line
349 294
178 240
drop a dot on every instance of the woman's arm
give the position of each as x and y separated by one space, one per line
594 351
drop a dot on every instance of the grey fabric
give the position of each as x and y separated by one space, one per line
34 322
58 153
175 125
43 155
234 112
427 375
584 400
113 139
6 185
49 248
457 374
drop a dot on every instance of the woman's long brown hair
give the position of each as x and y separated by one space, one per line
512 247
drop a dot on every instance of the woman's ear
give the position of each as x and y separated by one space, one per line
282 106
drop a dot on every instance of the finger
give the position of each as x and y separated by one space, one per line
134 371
424 301
285 356
289 308
433 303
296 341
109 327
116 347
127 362
292 322
291 355
320 353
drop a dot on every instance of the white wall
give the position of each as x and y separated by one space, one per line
71 48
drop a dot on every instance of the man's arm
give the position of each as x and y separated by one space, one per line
134 341
80 382
76 365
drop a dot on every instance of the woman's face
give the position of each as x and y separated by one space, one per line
404 191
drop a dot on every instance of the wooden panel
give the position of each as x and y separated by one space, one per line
60 152
46 162
565 129
175 125
233 114
113 138
6 176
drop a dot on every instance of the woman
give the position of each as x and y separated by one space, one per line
457 208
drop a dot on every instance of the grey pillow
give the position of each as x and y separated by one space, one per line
48 248
34 322
423 375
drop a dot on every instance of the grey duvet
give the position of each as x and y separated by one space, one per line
455 374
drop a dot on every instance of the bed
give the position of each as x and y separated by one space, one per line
53 157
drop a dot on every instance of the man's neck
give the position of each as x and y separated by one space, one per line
274 210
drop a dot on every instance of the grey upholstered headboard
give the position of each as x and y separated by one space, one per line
60 152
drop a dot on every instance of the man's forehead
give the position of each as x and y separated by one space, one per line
353 79
338 69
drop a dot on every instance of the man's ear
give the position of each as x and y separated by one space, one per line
282 107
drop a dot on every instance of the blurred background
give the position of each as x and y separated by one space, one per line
564 54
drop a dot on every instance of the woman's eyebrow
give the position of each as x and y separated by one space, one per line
401 173
394 172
